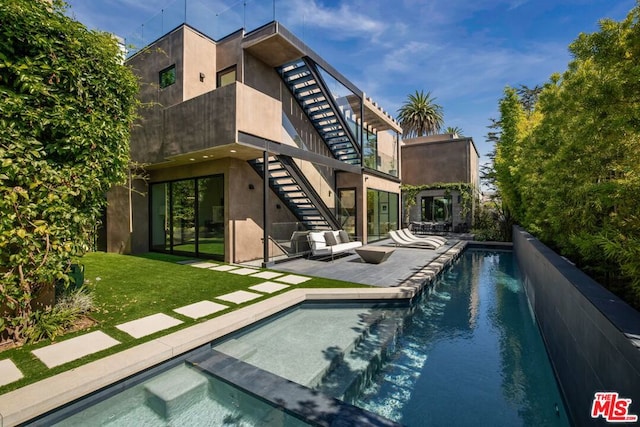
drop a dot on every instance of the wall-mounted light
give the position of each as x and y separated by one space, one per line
202 77
251 187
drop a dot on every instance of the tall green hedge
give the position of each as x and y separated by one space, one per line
569 170
67 104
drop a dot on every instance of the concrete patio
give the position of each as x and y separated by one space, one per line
400 266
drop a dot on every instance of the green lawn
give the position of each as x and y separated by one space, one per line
131 287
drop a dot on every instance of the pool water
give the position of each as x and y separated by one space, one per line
467 353
471 354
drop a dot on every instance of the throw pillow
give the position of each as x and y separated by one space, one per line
344 236
330 238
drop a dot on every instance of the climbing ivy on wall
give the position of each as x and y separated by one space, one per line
67 107
410 193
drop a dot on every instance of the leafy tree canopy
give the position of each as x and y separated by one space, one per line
67 105
567 159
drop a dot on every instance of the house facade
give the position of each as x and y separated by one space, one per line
443 165
245 144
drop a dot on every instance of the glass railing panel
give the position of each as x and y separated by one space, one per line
288 239
380 152
217 20
168 18
348 103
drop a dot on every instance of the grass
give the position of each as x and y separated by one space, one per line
130 287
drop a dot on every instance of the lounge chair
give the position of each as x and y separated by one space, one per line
410 236
399 240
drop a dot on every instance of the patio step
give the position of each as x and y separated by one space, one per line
173 392
358 366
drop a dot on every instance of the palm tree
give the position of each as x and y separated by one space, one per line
420 115
455 130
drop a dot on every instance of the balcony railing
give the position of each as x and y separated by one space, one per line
216 21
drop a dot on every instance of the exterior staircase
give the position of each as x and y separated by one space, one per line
306 85
289 183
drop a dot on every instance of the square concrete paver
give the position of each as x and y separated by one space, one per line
203 264
74 348
266 275
293 279
188 261
224 268
268 287
9 372
200 309
148 325
243 271
239 296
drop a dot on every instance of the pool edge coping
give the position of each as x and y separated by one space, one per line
34 400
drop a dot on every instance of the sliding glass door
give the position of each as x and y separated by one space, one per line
187 217
382 214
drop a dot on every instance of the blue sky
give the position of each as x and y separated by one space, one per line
463 51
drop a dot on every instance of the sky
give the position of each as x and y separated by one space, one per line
464 52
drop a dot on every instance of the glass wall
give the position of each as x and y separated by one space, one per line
382 214
347 211
380 151
187 217
436 208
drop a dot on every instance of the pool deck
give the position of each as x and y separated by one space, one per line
403 263
401 276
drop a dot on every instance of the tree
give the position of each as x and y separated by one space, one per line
420 115
67 106
568 156
456 130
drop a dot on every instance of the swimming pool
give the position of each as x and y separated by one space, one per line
468 352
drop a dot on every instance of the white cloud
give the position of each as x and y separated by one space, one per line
341 22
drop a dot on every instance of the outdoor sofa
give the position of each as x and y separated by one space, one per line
331 243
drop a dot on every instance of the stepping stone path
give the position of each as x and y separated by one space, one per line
266 275
239 297
66 351
200 309
293 279
243 271
203 264
74 348
148 325
268 287
9 372
224 268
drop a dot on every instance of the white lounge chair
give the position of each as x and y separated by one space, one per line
410 236
399 240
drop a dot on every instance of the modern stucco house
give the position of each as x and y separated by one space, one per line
441 159
216 112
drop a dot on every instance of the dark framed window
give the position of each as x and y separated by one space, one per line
382 214
168 76
187 217
226 76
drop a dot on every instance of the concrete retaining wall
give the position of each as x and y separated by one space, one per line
592 336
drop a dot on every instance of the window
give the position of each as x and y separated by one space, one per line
436 208
226 76
187 217
382 214
168 76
